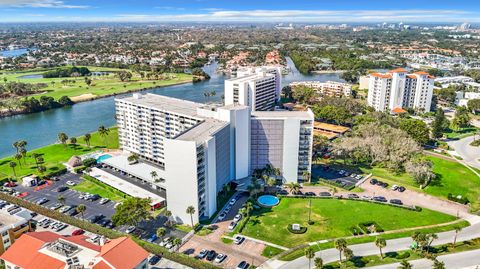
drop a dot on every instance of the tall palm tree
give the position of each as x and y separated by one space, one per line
23 152
318 262
405 265
87 138
161 232
306 176
348 254
431 237
340 245
18 157
457 230
176 242
168 214
248 208
380 243
16 145
73 141
63 137
438 264
81 208
309 254
61 199
12 165
293 187
191 211
35 158
103 132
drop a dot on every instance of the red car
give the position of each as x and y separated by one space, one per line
10 184
23 194
78 232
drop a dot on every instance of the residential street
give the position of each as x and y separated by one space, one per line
469 154
331 255
467 259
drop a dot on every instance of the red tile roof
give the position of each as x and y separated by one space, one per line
421 73
398 70
399 110
101 265
115 251
380 75
81 240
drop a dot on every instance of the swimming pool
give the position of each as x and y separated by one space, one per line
103 157
268 200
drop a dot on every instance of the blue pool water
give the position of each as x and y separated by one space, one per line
268 200
103 157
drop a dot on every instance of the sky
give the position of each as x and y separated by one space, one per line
321 11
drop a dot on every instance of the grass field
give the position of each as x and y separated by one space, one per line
333 218
451 177
93 186
56 154
101 86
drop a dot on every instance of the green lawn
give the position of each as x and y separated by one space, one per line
93 186
56 154
333 218
103 85
452 177
461 133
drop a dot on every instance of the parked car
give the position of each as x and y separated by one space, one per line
222 216
56 206
394 188
220 258
104 222
65 208
96 218
15 211
325 194
380 199
373 181
152 238
78 232
203 253
154 260
71 183
401 189
366 197
93 197
341 172
353 196
211 255
232 225
242 265
237 218
10 184
130 229
165 241
310 193
104 201
238 239
396 201
359 177
62 189
42 201
233 201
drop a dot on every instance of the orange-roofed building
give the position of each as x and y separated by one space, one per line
398 89
53 251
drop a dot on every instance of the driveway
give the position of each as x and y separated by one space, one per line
469 154
249 251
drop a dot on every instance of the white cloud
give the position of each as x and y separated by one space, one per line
39 4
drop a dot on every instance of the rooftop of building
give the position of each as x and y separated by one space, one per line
202 131
50 250
330 127
164 103
8 221
250 77
307 115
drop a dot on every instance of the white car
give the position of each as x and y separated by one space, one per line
71 183
165 241
222 216
169 245
366 197
233 201
104 201
220 257
130 229
55 206
237 218
232 225
238 239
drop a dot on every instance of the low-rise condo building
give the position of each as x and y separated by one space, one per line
329 88
12 227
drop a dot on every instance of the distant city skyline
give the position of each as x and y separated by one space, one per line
406 11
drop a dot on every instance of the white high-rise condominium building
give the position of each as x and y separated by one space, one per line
398 89
258 88
199 148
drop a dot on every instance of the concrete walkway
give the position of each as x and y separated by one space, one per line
469 154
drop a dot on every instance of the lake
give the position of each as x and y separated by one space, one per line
41 129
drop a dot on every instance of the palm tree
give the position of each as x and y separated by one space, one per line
405 265
380 243
35 158
18 157
309 254
176 242
63 137
81 208
23 152
61 199
248 208
87 138
41 169
16 145
415 236
457 230
191 211
340 245
103 133
168 214
12 165
73 141
432 237
293 187
348 254
161 232
438 264
318 262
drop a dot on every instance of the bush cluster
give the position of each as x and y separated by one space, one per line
364 227
301 231
463 200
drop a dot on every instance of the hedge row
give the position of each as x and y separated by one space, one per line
463 200
94 228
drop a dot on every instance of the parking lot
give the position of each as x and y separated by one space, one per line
346 179
71 196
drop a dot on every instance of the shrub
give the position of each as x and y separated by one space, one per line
301 231
403 255
356 231
364 226
475 143
89 162
462 200
55 173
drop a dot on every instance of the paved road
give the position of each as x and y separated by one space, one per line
467 259
331 255
469 154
